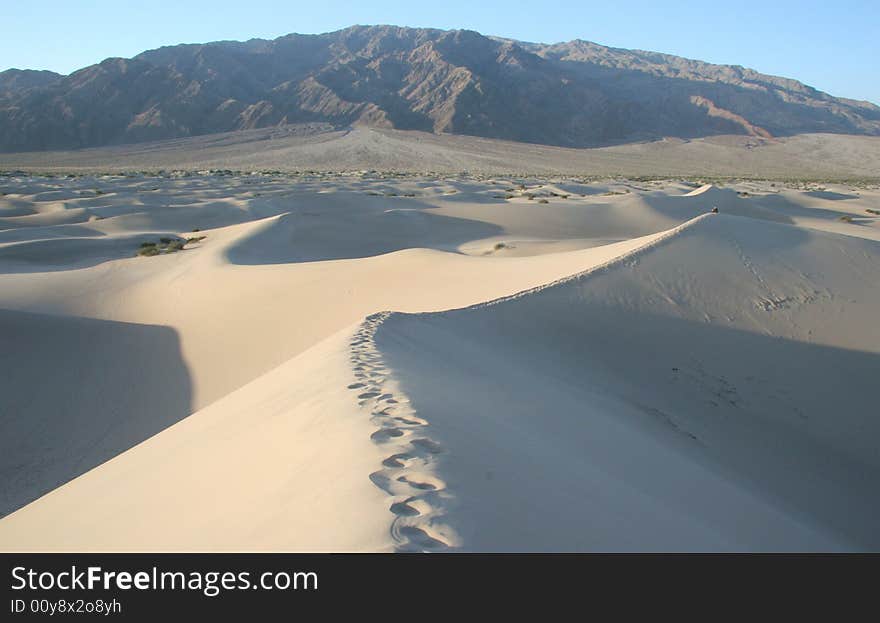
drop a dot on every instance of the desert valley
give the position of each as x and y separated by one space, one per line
389 324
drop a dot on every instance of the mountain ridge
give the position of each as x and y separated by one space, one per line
571 94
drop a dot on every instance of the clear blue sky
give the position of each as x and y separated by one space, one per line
831 45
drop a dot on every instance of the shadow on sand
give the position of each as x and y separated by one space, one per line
372 227
76 392
59 254
546 411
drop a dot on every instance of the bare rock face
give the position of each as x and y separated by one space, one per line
574 94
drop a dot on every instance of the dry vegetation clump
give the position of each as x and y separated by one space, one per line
166 245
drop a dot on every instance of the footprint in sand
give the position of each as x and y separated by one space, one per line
428 445
384 434
410 422
397 460
422 482
381 480
418 537
404 510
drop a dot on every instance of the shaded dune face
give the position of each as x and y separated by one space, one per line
713 392
365 231
59 254
61 411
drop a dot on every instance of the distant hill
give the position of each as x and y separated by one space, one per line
15 81
574 94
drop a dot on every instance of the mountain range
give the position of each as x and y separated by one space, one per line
574 94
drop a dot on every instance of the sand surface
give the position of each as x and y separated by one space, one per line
331 369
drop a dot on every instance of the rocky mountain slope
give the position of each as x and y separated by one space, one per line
13 81
572 94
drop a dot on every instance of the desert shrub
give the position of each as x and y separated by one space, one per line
166 245
499 245
870 211
846 218
543 201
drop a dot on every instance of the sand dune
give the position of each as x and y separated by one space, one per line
233 316
306 421
686 396
707 389
279 465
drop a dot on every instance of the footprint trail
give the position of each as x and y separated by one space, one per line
417 496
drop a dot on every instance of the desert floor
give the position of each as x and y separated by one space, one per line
367 362
316 147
